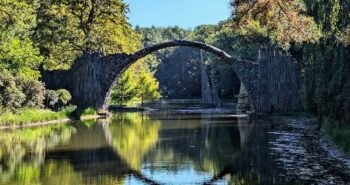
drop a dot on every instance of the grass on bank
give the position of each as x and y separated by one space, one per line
89 112
28 115
338 133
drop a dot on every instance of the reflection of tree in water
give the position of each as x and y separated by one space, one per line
23 151
105 152
133 135
86 154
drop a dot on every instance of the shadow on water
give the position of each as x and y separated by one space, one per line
139 148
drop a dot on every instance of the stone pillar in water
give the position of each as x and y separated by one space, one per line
215 91
243 104
206 89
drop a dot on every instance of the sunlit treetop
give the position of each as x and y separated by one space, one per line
17 53
284 21
67 29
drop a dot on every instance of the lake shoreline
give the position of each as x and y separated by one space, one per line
47 123
306 155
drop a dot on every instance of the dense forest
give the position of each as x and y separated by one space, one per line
317 34
49 35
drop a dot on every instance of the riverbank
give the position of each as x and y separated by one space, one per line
306 155
40 117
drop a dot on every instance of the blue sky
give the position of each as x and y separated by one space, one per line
184 13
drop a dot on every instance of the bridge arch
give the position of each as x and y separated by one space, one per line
92 76
176 43
235 62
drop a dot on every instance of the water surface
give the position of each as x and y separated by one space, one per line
141 148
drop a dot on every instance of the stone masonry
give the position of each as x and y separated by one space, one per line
92 77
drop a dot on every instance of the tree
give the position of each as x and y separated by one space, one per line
67 29
326 63
135 84
284 21
148 88
11 95
17 53
125 90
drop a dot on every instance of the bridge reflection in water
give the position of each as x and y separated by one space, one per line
139 148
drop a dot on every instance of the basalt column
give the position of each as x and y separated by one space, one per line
89 80
279 82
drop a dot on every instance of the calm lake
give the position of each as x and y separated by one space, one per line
141 148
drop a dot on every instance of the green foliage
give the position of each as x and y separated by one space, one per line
67 29
56 99
89 112
283 21
34 91
133 135
135 84
64 96
148 88
28 115
125 90
16 145
326 63
156 35
17 92
11 95
318 32
17 53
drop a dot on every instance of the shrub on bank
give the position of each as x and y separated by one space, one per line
11 95
35 93
56 99
16 92
89 112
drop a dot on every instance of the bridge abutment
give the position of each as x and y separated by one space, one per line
89 80
275 84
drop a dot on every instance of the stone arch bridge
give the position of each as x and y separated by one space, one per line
269 84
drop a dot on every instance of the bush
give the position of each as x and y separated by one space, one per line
35 93
56 99
16 92
64 96
89 112
11 95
